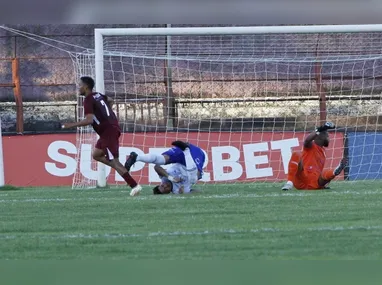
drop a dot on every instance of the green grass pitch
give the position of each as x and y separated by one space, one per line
256 221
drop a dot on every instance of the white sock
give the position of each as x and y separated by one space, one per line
152 158
290 183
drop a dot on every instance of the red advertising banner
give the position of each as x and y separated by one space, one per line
50 160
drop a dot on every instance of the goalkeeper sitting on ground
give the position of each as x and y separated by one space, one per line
305 170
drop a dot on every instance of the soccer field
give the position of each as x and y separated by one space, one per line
233 222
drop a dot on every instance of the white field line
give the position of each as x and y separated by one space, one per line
217 196
187 233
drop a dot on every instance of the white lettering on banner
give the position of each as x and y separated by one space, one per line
218 163
234 162
285 146
124 152
54 154
251 160
88 167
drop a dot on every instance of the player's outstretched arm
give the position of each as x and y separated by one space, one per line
85 122
311 137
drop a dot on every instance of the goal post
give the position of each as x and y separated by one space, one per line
100 87
2 178
241 74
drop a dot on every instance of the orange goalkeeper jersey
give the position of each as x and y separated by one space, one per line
313 158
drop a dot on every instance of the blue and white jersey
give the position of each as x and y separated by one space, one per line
189 178
199 157
192 158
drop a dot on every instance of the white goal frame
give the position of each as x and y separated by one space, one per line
99 34
2 178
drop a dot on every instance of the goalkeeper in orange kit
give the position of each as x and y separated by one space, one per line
306 169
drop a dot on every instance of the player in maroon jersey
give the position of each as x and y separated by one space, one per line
99 114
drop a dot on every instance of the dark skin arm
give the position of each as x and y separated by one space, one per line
309 139
88 120
312 136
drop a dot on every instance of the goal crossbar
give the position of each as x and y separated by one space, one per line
239 30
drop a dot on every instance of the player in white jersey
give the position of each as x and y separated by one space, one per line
188 160
176 179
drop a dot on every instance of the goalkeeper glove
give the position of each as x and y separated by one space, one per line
325 127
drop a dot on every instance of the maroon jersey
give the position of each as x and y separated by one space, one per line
103 116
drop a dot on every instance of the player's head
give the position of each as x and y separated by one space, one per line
322 139
163 188
86 85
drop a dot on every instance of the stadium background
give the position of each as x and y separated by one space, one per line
48 92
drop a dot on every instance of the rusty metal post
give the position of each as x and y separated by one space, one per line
18 96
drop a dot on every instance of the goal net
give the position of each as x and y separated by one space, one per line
248 100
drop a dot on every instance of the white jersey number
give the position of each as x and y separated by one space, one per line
106 107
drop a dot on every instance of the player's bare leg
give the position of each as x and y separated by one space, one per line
329 175
294 167
99 155
117 165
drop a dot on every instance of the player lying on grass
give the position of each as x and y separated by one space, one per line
305 170
99 114
179 183
189 156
